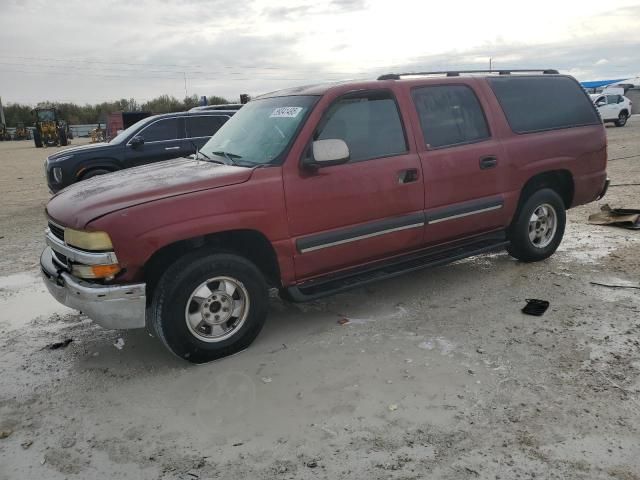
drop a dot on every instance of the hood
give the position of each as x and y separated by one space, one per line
82 202
81 149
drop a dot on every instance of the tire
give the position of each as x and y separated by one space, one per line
94 173
542 242
62 138
622 120
180 296
37 139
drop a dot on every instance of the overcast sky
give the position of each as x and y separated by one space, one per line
87 51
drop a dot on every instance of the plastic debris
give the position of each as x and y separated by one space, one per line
619 217
393 407
62 344
119 343
266 379
535 307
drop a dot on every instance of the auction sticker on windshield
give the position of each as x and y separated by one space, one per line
286 112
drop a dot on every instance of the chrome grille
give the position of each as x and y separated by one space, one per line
57 231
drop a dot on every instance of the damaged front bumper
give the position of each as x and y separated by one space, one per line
110 306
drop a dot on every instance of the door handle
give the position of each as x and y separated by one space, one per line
172 148
489 161
408 176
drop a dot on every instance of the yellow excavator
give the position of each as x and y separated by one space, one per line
50 130
22 132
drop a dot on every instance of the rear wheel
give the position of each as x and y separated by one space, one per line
622 119
37 139
537 230
209 305
62 138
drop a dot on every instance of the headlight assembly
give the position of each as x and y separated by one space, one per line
93 241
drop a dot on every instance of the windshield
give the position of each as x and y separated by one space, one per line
46 115
261 130
124 134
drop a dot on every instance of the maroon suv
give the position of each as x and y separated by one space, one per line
317 189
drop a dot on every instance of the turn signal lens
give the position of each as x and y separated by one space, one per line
87 240
95 271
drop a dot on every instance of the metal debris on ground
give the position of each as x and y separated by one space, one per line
343 321
57 345
614 286
535 307
619 217
5 433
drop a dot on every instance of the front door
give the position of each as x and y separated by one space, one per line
369 208
163 139
463 163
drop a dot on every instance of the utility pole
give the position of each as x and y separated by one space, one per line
490 61
184 74
2 121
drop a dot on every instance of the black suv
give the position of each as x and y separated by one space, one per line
152 139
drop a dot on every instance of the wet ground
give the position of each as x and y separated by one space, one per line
436 374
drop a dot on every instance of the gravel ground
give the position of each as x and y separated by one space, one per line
437 375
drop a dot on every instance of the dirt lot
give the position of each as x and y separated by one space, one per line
438 374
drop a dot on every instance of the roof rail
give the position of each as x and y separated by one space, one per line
456 73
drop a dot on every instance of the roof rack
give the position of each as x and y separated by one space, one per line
456 73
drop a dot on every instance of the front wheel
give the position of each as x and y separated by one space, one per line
622 120
209 305
537 230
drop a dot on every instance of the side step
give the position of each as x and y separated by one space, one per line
433 257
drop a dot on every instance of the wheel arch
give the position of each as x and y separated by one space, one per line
250 244
561 181
105 164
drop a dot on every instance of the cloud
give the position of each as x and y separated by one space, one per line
89 52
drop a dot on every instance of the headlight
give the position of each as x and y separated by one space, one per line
57 174
60 159
87 240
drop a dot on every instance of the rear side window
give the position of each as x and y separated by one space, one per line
204 126
368 122
534 104
450 115
161 130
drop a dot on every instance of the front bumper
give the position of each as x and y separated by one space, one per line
110 306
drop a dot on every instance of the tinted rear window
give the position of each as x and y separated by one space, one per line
533 104
204 126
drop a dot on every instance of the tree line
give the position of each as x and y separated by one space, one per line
76 114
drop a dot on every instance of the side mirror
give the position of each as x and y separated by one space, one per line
136 141
325 153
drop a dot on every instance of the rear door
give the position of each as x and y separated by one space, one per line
163 139
462 160
200 128
369 208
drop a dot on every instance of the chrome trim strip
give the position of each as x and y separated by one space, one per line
362 237
79 256
466 214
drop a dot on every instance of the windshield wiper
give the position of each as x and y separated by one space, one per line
228 155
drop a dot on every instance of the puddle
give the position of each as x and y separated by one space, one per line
23 297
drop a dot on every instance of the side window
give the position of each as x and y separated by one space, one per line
450 115
204 126
547 102
611 99
161 130
368 122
